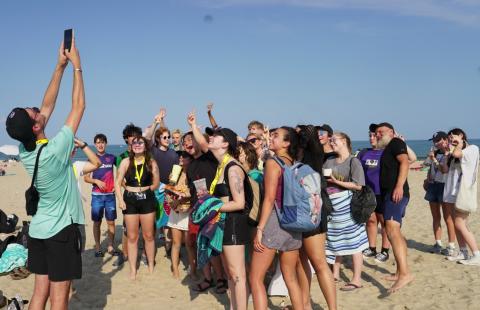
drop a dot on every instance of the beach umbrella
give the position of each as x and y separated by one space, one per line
10 150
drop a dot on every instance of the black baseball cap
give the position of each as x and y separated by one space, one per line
19 127
373 127
325 127
439 135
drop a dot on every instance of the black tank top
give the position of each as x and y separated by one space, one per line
145 180
223 189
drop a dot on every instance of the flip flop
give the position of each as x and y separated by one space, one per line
222 286
350 287
19 273
199 288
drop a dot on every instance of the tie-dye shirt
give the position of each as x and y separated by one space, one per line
104 174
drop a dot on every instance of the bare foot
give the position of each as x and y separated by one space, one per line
176 274
150 269
133 275
392 277
401 282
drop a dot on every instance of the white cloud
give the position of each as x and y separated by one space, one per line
466 12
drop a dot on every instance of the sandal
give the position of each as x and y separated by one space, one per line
222 286
114 252
99 253
201 288
20 273
350 287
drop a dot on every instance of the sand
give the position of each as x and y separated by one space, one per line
439 284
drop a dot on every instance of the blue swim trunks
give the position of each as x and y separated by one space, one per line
394 211
101 204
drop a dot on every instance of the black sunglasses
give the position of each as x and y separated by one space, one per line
253 140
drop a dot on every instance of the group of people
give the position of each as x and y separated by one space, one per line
166 172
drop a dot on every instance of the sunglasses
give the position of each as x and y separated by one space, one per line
322 132
165 137
138 143
253 140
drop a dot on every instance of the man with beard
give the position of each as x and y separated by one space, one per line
394 189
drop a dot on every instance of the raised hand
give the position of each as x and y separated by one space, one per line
161 115
192 119
210 106
62 58
73 55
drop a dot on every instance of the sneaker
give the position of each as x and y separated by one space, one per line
367 253
436 249
120 260
472 261
459 256
382 257
448 251
144 260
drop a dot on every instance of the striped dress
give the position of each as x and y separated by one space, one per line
344 236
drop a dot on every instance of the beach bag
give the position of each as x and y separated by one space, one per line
363 202
467 194
301 201
7 223
258 194
31 195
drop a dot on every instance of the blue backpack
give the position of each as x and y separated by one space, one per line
302 202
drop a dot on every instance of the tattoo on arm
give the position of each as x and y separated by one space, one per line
238 182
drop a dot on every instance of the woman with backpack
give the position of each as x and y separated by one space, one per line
313 248
270 237
344 236
232 186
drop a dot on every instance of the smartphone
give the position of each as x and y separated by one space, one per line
67 39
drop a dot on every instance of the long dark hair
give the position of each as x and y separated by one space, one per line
250 154
457 132
292 137
146 153
310 150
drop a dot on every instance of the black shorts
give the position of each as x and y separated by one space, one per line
236 230
140 206
322 227
59 256
380 206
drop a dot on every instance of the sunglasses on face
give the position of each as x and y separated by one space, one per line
138 143
165 137
253 140
322 133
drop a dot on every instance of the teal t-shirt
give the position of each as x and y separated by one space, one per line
60 203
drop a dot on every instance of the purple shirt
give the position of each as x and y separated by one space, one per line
370 160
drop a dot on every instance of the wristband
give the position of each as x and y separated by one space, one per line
84 145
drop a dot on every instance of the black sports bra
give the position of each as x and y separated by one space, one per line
145 180
223 189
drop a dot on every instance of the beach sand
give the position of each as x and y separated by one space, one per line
439 284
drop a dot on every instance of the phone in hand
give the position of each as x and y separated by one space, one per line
67 39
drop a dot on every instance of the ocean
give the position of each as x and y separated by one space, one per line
420 147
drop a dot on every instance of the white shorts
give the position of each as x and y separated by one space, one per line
178 220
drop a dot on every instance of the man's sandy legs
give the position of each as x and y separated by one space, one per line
399 246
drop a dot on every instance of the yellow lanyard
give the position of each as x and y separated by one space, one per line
138 175
42 141
218 173
75 171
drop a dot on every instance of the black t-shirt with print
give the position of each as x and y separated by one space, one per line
204 166
390 167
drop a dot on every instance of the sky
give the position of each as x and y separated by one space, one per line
347 63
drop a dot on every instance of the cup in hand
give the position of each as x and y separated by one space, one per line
201 187
176 170
327 173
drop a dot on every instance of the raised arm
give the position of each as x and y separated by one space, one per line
210 116
50 97
78 92
93 161
157 120
197 134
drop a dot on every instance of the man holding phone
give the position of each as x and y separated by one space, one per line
54 244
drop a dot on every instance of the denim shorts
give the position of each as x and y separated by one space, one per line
101 204
394 211
434 192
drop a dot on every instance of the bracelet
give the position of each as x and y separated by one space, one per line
78 69
261 229
84 145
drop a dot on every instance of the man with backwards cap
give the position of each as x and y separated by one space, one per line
394 189
54 243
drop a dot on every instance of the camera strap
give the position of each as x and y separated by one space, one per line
34 177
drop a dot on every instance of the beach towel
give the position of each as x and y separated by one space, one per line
212 223
163 209
14 256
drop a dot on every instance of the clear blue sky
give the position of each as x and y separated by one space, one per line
346 63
